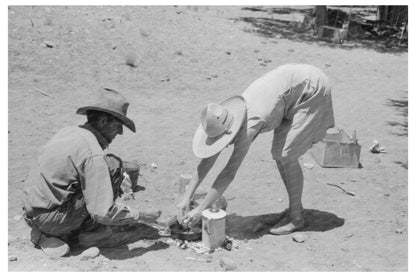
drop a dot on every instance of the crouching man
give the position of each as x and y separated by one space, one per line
71 192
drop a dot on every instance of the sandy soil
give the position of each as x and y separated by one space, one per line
186 57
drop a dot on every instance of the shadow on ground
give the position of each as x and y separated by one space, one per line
253 227
139 232
402 107
124 252
272 28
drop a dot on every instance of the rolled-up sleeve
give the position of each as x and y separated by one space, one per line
98 194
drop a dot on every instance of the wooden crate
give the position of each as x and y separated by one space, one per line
337 149
332 34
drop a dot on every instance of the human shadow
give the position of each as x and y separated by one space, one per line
136 233
253 227
124 252
402 106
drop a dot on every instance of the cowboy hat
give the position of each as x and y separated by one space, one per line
220 123
112 102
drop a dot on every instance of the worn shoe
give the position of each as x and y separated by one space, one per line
287 225
287 229
51 246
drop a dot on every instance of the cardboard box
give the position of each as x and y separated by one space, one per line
337 149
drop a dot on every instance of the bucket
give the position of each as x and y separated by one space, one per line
337 149
213 227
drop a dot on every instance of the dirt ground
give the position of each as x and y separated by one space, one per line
184 57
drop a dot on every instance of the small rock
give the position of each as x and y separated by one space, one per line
17 217
12 258
299 237
399 231
228 52
327 65
387 194
256 50
179 242
90 253
227 263
49 44
154 165
280 200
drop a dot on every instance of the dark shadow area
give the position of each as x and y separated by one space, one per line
123 252
271 28
253 227
402 107
402 164
136 233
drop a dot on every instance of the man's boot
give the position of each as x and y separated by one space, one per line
51 246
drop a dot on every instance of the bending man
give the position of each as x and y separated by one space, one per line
293 101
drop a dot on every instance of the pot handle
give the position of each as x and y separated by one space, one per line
206 227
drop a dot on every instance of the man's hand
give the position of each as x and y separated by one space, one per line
183 208
193 218
149 216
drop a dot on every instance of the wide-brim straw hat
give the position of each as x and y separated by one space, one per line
220 124
112 102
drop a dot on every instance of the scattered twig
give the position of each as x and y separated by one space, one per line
30 17
344 190
43 93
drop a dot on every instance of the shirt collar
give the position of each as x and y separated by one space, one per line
101 140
